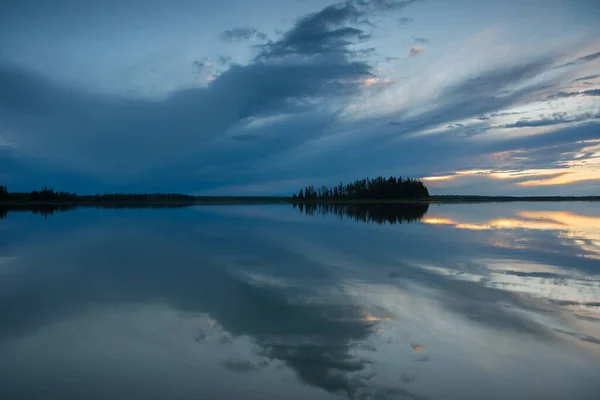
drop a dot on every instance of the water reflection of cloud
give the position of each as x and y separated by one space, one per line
295 326
345 310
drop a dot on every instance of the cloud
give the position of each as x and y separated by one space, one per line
224 60
323 32
200 65
555 119
301 98
405 20
386 5
407 378
561 95
94 132
236 365
421 40
587 78
415 51
333 30
241 34
326 160
132 139
581 60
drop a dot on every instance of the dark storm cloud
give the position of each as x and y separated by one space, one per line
324 32
47 115
241 34
101 134
581 60
330 31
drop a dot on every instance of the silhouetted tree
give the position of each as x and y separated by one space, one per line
369 189
48 195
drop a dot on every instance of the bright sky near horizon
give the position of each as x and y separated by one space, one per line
265 96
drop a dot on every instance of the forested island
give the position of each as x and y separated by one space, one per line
379 188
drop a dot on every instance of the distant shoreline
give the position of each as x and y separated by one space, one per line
231 200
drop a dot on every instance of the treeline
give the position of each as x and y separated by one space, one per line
379 213
367 189
49 195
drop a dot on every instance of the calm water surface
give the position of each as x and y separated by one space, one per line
273 302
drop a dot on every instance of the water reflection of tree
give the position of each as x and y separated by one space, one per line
380 213
47 210
44 210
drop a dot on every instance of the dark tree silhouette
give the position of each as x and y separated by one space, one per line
47 201
369 189
49 195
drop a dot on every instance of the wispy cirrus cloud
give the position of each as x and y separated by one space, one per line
562 95
581 60
587 78
554 119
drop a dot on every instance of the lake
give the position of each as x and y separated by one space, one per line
452 301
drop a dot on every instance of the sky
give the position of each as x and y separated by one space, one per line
263 96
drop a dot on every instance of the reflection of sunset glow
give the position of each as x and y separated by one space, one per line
583 230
